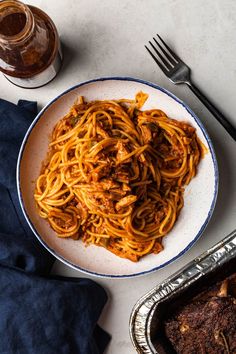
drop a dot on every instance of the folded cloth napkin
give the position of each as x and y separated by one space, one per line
39 313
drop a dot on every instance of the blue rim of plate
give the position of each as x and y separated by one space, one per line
199 123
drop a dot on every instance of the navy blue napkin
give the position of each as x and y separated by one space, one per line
39 313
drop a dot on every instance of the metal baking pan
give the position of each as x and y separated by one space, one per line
145 321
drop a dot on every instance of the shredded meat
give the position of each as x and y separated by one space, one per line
104 134
121 176
83 210
126 201
108 183
122 152
146 134
99 172
121 252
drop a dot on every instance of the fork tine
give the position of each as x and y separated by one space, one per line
171 60
157 61
167 64
177 59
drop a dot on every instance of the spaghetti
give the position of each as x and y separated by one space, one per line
114 175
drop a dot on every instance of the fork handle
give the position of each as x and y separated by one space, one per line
216 113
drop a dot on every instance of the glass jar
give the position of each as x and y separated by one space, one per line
30 53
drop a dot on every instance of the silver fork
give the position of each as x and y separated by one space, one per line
179 73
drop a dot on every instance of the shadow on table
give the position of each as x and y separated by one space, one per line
225 201
70 57
73 58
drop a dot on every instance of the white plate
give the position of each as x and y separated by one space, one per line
199 198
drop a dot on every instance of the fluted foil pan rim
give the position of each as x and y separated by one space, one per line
208 261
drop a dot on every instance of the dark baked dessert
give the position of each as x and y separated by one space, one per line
207 324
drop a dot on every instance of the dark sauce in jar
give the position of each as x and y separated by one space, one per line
12 24
29 41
